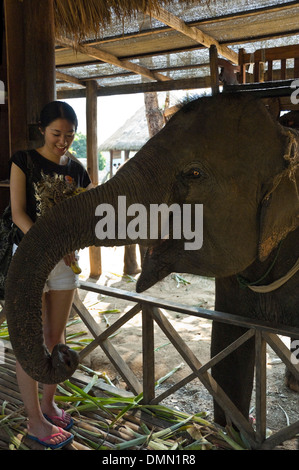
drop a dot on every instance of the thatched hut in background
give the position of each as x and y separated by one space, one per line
130 137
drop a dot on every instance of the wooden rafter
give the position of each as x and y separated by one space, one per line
112 59
192 32
69 78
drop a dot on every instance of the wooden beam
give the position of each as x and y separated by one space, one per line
192 32
112 59
182 84
272 53
69 78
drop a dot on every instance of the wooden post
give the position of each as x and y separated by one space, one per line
214 69
242 76
111 163
148 354
92 129
270 71
92 163
283 69
39 63
30 47
260 364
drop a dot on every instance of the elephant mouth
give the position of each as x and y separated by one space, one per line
159 262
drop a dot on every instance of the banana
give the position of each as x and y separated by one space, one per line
76 268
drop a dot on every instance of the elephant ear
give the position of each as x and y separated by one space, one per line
280 207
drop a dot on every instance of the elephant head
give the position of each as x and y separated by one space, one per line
224 153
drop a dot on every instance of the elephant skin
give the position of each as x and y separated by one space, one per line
230 155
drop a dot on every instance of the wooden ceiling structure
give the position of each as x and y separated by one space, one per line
168 48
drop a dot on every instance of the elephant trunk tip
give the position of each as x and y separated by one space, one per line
54 368
64 359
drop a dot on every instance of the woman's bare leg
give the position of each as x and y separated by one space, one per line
54 327
57 310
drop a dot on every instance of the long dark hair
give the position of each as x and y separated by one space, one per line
56 110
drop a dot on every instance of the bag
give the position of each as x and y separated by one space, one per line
7 233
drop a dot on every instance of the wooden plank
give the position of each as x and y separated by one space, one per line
260 368
148 354
296 68
273 53
222 317
192 32
181 84
111 59
107 347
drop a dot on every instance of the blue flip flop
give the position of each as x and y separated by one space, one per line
52 446
52 420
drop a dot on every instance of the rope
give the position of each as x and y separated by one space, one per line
276 284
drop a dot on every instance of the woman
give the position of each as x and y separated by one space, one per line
58 123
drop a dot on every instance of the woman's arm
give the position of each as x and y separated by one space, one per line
18 199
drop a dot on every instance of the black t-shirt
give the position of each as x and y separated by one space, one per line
36 165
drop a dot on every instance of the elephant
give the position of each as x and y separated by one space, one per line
226 153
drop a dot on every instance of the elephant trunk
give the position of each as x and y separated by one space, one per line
69 226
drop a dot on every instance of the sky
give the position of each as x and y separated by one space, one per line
113 111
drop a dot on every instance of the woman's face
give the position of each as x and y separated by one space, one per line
59 136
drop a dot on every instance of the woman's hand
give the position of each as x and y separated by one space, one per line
72 261
70 258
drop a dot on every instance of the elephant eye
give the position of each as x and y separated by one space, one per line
193 173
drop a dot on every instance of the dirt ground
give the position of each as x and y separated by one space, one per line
282 403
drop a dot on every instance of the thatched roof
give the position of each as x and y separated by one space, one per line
130 47
131 136
82 18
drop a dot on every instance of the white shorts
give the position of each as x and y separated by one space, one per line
61 277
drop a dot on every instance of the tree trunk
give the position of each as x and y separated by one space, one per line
153 114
